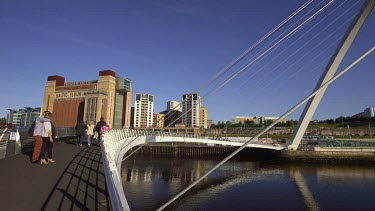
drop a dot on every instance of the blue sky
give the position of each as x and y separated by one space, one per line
168 48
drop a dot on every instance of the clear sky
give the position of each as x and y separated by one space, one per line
171 47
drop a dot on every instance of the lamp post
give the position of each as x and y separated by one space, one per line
226 131
369 130
349 132
342 124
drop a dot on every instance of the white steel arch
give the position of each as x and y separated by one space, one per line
117 142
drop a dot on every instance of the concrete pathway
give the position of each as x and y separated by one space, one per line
74 182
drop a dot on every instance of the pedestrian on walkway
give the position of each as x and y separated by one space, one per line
37 134
81 129
47 141
104 128
90 132
98 126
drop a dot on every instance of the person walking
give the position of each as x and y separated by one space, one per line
37 134
47 141
90 132
98 126
81 129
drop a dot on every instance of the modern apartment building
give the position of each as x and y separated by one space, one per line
23 117
158 120
109 97
143 111
203 117
369 112
172 115
174 105
191 104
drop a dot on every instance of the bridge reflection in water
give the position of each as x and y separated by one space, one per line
119 141
243 184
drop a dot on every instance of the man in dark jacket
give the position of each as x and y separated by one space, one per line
81 129
98 126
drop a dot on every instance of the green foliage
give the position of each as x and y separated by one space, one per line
328 123
3 120
345 121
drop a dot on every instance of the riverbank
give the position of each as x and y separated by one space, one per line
334 155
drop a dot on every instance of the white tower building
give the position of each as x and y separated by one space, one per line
369 112
191 104
143 111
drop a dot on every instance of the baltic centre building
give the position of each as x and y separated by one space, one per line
70 102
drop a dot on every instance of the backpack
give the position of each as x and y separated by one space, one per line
103 129
30 132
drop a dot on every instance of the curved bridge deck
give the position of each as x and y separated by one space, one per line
77 180
119 141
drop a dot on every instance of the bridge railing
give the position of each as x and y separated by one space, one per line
115 144
112 144
27 143
112 177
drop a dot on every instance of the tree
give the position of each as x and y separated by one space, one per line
228 124
249 123
268 122
3 120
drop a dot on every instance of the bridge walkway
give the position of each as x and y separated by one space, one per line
74 182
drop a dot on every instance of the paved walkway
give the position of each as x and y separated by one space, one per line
74 182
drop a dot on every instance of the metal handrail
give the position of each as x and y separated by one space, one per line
117 140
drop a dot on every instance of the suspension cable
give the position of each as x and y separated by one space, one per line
227 67
285 37
280 35
315 46
275 57
273 46
235 61
268 127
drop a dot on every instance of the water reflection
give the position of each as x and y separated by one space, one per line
179 170
150 181
303 188
335 174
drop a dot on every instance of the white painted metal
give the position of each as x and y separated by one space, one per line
118 141
114 149
330 71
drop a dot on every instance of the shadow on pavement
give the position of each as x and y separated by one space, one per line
82 184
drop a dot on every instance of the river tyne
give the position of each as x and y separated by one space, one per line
149 181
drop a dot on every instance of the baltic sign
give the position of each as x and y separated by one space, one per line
71 94
79 83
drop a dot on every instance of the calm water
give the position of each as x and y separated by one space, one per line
150 181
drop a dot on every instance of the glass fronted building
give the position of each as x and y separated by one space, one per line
23 117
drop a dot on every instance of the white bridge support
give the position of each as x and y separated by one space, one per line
119 141
331 68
